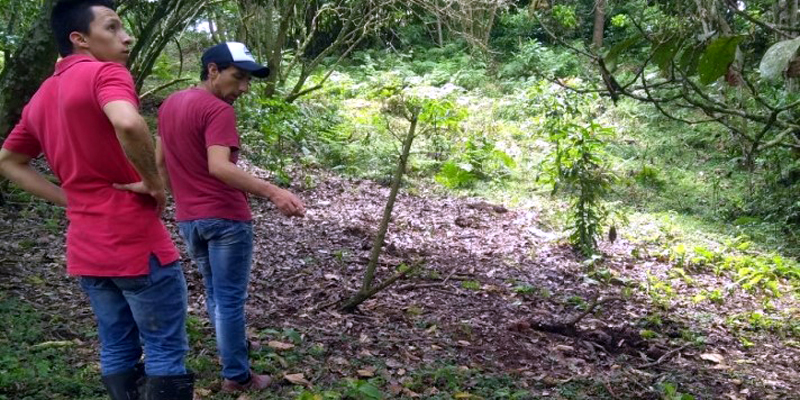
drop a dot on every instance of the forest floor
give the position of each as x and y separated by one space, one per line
497 308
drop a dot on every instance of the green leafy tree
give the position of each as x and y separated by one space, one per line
578 166
706 62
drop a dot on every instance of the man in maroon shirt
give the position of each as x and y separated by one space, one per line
85 120
198 147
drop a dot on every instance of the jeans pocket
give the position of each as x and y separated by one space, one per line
227 232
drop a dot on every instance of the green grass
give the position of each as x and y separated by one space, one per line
34 364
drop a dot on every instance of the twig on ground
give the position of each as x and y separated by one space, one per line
450 292
448 277
521 336
664 357
412 286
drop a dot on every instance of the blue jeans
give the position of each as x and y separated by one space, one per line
223 250
148 310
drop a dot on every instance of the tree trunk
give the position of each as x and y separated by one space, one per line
275 53
367 290
599 23
170 19
439 31
487 32
33 61
212 29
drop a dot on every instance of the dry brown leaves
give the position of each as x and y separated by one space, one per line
464 305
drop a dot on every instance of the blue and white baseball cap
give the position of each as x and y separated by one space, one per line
237 54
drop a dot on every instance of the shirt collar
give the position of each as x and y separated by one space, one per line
71 60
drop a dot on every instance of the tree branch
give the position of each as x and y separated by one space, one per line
164 86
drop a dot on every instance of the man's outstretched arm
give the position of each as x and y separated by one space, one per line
134 136
17 168
220 167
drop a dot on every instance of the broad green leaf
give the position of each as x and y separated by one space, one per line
689 58
453 175
716 58
370 391
753 282
665 52
777 58
669 389
615 51
293 335
505 158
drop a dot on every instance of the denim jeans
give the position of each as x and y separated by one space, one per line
222 250
148 310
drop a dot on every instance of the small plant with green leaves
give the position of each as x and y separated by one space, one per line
479 159
715 296
577 302
670 392
578 165
524 289
648 334
678 255
660 291
358 389
704 257
649 176
693 337
471 285
754 273
681 274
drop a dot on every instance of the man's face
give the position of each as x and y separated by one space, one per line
107 39
228 84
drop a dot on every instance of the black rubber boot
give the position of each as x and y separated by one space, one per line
124 385
172 387
140 377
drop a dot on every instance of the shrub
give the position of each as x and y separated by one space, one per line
275 132
578 166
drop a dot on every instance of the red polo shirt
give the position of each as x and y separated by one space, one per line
112 232
189 122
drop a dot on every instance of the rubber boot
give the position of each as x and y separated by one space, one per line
141 378
171 387
124 385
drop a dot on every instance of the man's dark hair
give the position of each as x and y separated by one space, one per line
204 70
73 16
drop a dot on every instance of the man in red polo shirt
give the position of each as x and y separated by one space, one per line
198 147
85 120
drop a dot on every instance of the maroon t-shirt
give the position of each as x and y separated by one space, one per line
189 122
111 232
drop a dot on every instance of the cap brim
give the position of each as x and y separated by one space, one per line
255 69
